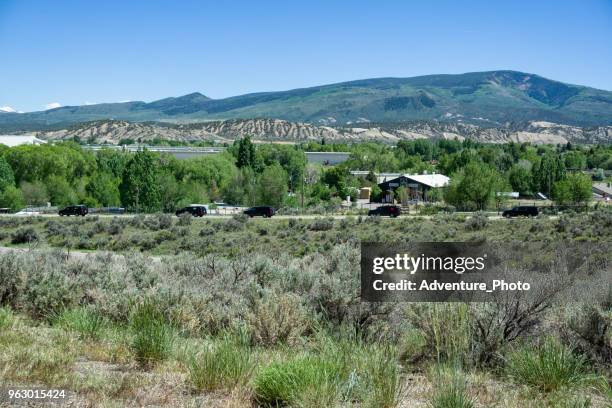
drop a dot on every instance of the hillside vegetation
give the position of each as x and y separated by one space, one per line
492 98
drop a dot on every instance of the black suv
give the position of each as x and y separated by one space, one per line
389 210
195 210
81 210
521 212
262 211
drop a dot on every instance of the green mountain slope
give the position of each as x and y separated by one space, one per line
485 98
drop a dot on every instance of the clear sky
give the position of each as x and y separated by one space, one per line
78 52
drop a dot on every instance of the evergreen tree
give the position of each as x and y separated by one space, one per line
246 153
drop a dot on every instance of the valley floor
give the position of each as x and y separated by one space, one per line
232 312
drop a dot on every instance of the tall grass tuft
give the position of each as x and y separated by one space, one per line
220 366
446 330
367 373
84 321
383 375
152 337
549 367
450 389
305 381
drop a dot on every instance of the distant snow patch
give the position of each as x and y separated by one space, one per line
7 109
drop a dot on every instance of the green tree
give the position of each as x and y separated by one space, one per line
575 160
580 187
474 187
7 177
272 186
562 193
60 192
168 191
550 169
139 189
241 188
192 193
34 193
520 178
111 161
246 153
104 189
12 198
575 189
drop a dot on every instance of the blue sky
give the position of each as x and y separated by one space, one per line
78 52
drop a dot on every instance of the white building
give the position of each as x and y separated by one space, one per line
17 140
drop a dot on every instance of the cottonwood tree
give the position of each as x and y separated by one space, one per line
139 189
520 179
7 177
550 170
574 189
272 186
474 187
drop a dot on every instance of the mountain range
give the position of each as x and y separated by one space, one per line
493 99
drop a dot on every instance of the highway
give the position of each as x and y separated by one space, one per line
275 217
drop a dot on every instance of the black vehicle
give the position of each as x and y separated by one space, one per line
81 210
386 210
195 210
527 211
261 211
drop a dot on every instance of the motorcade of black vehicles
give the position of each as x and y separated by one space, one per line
81 210
521 211
386 210
194 210
260 211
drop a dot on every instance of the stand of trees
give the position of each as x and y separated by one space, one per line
279 175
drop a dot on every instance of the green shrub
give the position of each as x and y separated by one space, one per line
185 219
549 367
477 222
323 224
277 319
241 218
82 320
24 235
115 227
221 366
153 338
158 221
164 235
589 327
233 225
429 210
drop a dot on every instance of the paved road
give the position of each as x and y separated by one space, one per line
276 217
